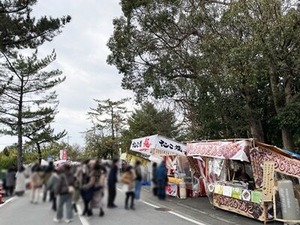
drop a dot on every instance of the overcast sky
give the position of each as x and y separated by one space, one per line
81 55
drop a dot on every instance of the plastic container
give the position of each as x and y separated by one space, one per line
182 190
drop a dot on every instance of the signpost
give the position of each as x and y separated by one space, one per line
268 185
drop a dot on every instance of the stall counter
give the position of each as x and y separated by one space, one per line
239 200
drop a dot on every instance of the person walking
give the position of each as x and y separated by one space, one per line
128 180
20 182
154 179
52 186
161 176
64 193
111 182
77 186
97 181
138 179
36 183
47 173
10 181
83 175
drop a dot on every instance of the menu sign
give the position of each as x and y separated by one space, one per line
268 181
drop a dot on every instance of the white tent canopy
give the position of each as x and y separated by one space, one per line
44 162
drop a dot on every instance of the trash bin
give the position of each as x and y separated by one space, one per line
182 190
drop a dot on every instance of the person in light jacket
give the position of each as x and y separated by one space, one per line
66 179
36 179
97 183
128 180
20 182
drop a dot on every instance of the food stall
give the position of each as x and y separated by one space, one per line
240 176
172 152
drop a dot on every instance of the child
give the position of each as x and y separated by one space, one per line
128 180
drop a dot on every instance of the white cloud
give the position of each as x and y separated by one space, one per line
81 55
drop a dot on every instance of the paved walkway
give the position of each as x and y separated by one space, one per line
198 207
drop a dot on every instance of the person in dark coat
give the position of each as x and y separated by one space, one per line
10 181
111 182
154 179
83 176
51 186
161 177
138 180
47 174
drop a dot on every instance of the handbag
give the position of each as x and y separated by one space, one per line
125 188
71 189
87 194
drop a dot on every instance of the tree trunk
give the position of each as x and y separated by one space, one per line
256 129
287 137
39 153
20 152
20 136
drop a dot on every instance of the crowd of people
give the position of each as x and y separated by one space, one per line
66 185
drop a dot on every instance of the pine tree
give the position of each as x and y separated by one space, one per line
26 106
22 79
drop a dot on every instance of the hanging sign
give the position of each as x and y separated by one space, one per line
268 181
157 145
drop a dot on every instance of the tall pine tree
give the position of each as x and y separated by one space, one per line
27 105
22 79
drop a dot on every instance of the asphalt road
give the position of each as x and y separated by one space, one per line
149 210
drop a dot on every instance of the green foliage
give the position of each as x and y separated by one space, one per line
149 121
100 147
232 67
22 113
20 30
289 117
108 119
8 158
25 105
109 115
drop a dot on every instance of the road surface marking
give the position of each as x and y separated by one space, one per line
186 218
176 214
8 200
83 220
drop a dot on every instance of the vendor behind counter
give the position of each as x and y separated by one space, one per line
242 176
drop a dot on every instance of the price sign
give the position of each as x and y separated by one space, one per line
268 181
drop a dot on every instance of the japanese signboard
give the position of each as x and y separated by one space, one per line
235 150
268 181
63 154
157 144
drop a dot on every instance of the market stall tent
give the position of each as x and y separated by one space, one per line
159 148
272 168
